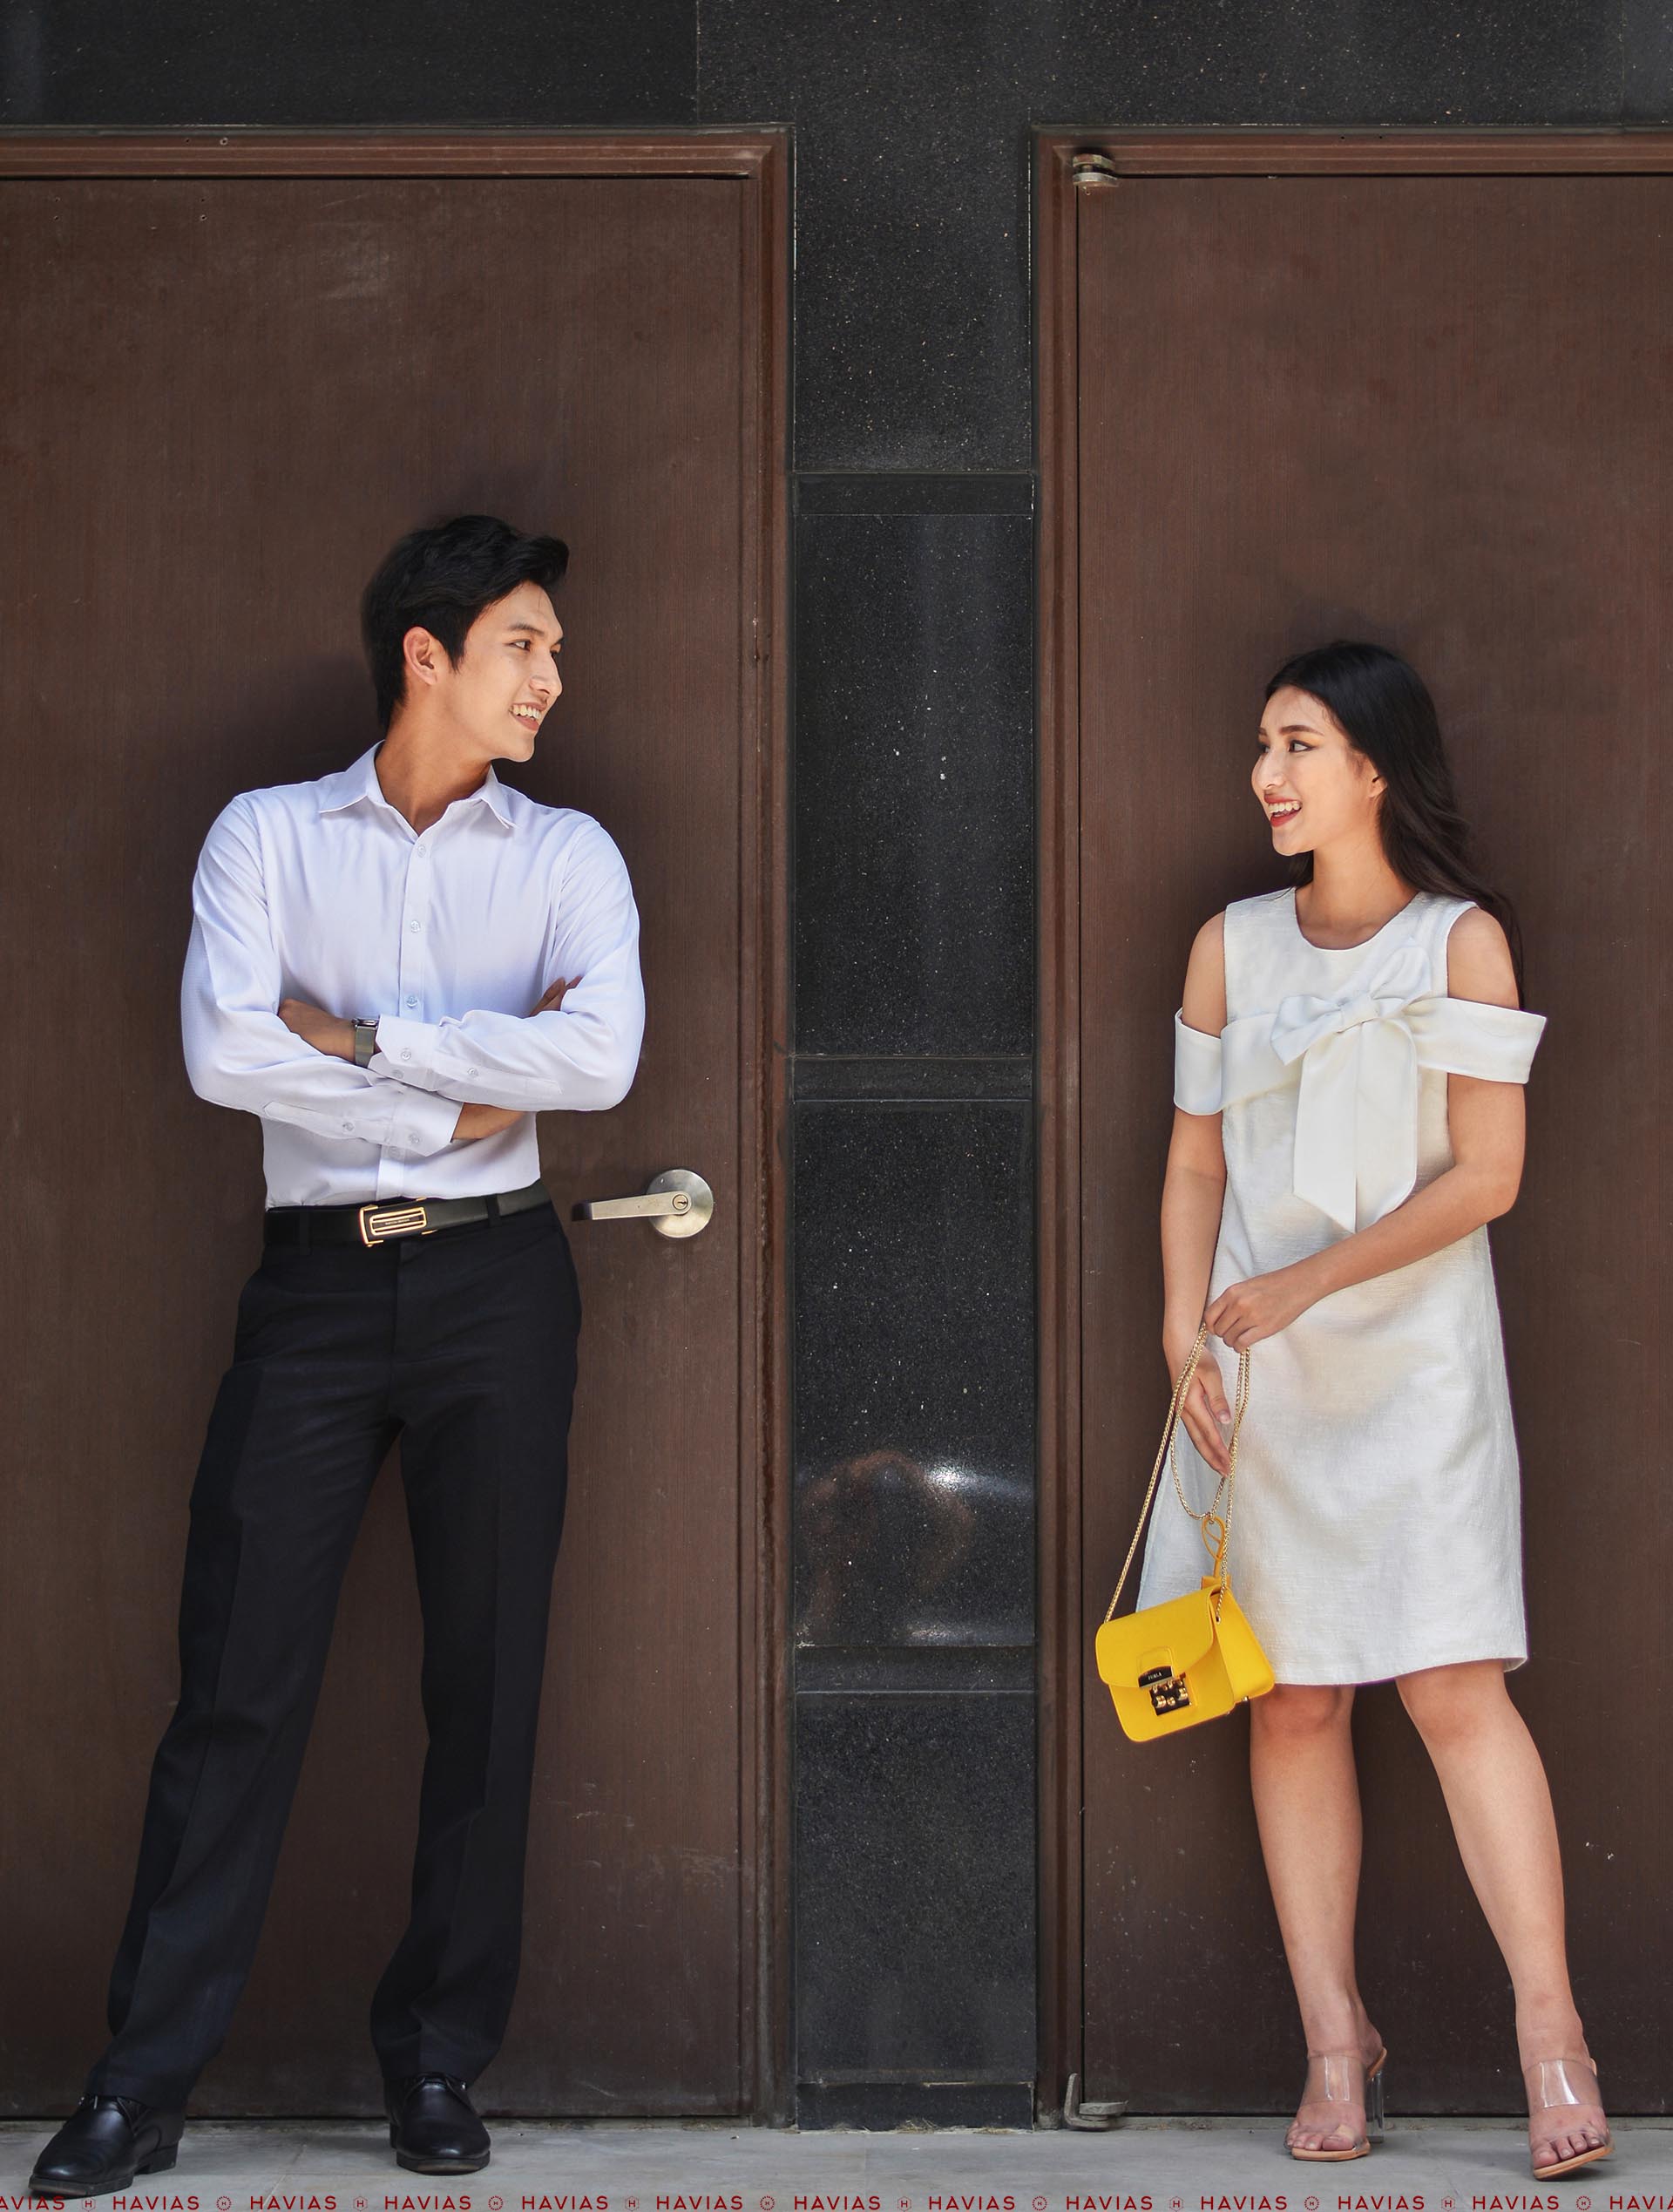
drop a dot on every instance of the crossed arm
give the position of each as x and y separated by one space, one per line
335 1034
431 1084
1486 1123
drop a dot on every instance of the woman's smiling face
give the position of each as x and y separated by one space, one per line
1313 786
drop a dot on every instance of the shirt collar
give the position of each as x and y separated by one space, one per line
360 781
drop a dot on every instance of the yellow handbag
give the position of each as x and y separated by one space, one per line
1195 1657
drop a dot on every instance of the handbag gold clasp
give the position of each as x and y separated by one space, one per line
1169 1691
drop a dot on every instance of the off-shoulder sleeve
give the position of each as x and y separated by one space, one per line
1471 1037
1196 1069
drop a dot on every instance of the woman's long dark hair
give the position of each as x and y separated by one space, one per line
1383 706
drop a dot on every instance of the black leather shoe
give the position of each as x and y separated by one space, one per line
105 2141
433 2125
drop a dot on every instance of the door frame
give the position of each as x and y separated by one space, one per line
761 160
1067 163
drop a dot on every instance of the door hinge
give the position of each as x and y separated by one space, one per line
1105 2115
1096 169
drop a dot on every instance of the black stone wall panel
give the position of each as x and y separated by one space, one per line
312 63
914 783
914 1881
914 1367
1647 61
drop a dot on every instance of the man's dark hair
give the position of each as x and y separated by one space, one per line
439 579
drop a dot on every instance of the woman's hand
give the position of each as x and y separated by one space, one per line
1244 1313
1204 1404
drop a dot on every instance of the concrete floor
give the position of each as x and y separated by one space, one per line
1140 2165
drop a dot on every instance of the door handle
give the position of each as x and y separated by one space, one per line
675 1202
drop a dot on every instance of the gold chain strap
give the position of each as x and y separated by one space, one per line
1227 1482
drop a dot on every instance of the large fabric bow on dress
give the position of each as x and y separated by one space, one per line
1357 1118
1356 1146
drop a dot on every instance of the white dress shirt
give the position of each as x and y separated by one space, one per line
322 891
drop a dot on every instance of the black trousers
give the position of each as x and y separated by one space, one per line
462 1343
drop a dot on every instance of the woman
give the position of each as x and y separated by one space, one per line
1350 1055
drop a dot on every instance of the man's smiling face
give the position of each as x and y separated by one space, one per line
507 679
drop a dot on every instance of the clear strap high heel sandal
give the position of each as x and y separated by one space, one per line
1342 2078
1557 2086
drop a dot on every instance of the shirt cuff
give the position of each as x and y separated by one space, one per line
422 1122
406 1049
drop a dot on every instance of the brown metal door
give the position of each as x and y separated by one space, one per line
1436 411
225 396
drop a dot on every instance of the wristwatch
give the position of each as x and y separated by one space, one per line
365 1037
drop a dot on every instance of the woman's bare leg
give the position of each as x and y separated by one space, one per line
1499 1801
1307 1805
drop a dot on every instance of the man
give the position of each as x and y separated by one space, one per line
396 966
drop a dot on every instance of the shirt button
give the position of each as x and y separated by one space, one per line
475 1071
412 1136
406 1055
413 1001
414 925
348 1129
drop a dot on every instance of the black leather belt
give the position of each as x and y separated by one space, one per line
381 1220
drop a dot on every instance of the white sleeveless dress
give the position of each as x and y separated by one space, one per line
1377 1525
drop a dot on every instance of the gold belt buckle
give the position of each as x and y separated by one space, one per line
392 1221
